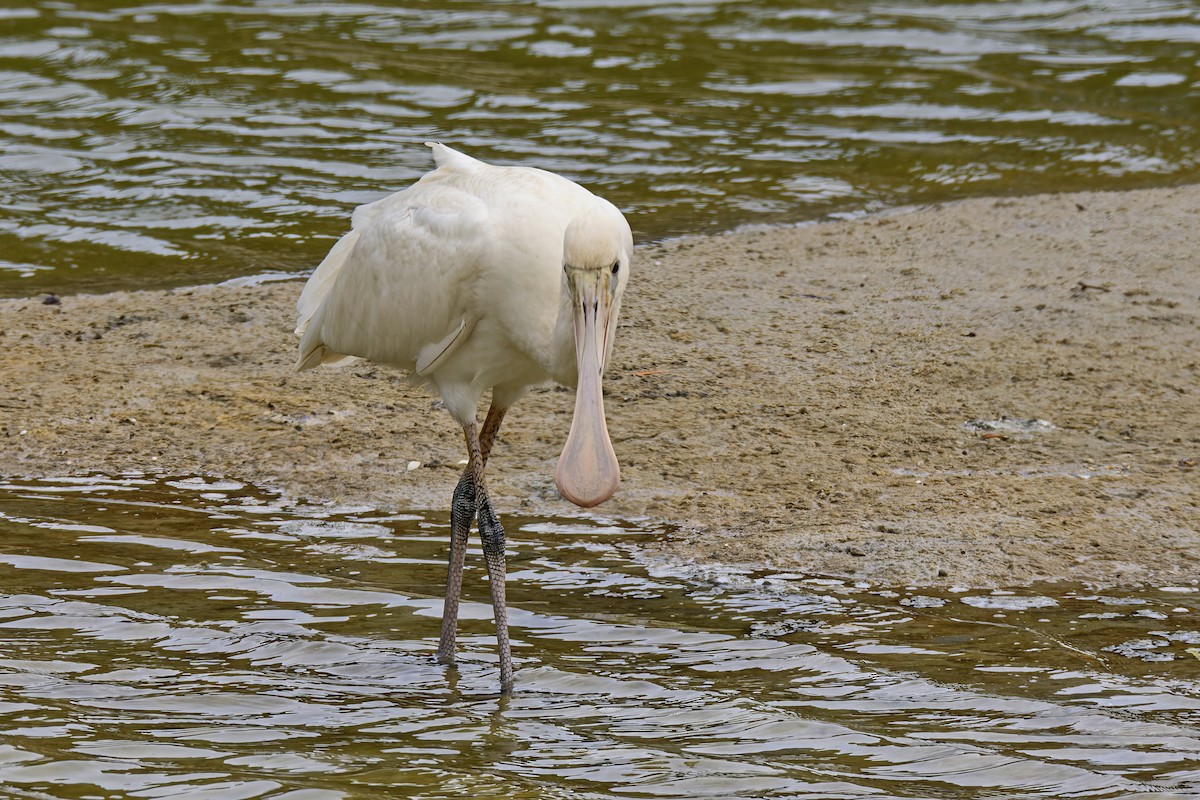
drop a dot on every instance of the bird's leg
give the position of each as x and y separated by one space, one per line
491 426
492 536
462 512
493 553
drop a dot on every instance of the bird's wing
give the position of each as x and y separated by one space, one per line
432 355
321 281
323 278
398 289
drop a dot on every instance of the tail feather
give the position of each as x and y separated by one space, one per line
314 353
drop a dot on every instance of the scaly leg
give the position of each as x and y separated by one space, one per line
493 553
462 512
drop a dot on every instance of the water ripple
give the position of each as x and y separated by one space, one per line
184 142
187 646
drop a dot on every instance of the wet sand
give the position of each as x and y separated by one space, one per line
852 398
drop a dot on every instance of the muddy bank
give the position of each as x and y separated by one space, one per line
855 398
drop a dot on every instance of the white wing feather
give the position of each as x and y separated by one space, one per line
468 256
322 280
399 283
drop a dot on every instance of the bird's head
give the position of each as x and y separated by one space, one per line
597 250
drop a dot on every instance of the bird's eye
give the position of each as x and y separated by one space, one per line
616 267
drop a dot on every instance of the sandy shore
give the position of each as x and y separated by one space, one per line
849 398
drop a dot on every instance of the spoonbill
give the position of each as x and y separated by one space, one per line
477 278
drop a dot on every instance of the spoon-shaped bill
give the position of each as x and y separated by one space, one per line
588 473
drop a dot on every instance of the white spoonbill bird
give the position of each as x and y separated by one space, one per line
480 277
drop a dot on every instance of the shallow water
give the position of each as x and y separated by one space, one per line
182 142
190 638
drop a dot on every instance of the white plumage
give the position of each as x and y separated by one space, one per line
480 278
457 280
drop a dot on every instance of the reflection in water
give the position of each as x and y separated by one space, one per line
182 142
192 638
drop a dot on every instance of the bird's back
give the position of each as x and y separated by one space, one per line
468 246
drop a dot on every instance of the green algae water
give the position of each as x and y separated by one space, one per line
196 638
168 143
